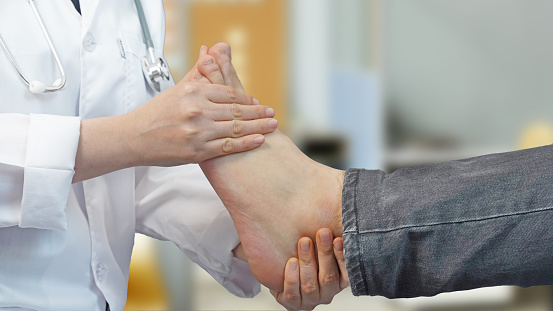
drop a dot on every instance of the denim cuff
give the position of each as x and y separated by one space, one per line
354 256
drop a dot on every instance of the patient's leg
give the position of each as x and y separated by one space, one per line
275 194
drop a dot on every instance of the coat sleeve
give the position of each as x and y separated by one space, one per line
178 204
37 160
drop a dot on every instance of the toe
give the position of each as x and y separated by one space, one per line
208 68
222 55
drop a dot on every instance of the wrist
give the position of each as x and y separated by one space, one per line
128 139
102 148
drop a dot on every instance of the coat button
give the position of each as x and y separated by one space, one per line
89 43
100 271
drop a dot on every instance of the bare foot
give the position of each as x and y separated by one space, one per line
275 194
210 69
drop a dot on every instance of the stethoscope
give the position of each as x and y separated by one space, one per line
155 69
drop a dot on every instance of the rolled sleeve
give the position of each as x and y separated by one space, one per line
14 130
48 170
354 255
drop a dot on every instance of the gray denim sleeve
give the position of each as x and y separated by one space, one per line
479 222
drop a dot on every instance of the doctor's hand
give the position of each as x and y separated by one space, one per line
188 123
308 283
192 122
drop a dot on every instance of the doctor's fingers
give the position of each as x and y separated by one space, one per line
203 92
309 283
329 273
290 297
223 94
228 112
238 128
224 146
339 254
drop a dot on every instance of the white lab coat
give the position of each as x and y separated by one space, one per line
39 135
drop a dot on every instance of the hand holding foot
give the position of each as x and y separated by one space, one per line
308 283
187 123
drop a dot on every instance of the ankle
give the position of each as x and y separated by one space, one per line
329 202
336 225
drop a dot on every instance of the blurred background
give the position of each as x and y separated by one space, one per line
378 84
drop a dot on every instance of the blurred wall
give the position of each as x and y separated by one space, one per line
472 72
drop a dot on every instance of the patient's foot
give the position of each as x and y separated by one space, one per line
210 69
275 194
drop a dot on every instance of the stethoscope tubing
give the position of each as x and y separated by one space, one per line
12 61
63 78
52 48
155 70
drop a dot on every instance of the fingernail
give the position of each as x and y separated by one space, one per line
325 236
270 112
305 245
293 265
339 246
208 61
256 101
273 123
259 139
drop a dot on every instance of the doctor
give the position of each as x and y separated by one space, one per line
81 168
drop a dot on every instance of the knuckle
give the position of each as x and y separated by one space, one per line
236 111
237 127
309 288
261 112
290 283
190 89
232 94
228 145
306 260
329 278
190 131
326 250
194 112
290 297
191 111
